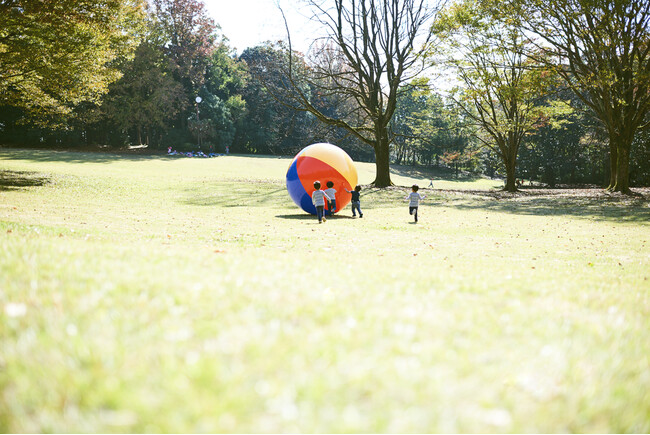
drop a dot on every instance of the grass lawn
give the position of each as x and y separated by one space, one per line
154 294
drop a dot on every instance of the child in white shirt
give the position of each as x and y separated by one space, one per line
332 195
414 199
318 198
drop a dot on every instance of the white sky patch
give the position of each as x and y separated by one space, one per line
248 23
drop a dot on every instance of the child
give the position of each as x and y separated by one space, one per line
414 199
318 198
332 195
356 200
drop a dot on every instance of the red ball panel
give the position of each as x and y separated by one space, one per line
311 169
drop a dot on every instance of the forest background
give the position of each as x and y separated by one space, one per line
114 74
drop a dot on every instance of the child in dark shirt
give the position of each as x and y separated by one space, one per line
356 200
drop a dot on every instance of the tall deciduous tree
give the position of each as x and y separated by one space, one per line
56 54
190 40
372 47
223 107
425 128
603 52
146 97
268 126
502 89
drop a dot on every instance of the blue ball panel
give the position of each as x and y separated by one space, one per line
296 190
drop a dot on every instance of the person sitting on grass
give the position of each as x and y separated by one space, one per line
332 195
356 200
318 198
414 199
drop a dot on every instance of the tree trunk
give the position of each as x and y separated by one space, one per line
511 181
623 170
382 161
619 163
613 159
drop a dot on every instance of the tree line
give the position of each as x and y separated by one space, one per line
554 92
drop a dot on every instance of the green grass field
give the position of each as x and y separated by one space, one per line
153 294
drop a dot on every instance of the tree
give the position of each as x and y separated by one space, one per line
372 48
146 97
190 36
567 150
502 89
427 128
223 106
57 54
602 50
268 126
414 122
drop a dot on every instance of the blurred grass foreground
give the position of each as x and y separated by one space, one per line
153 294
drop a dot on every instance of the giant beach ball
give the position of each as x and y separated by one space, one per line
323 162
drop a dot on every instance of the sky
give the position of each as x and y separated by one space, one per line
247 23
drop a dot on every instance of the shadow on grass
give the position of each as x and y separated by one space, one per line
14 180
432 173
235 197
102 155
67 156
305 216
585 203
298 216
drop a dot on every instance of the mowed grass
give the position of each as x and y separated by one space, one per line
153 294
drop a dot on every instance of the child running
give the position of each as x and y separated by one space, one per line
356 200
331 193
318 198
414 199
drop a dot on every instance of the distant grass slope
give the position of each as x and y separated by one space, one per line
152 294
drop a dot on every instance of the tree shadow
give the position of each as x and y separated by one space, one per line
236 197
15 180
594 204
70 156
432 173
103 155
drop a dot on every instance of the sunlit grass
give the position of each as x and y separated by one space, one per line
152 294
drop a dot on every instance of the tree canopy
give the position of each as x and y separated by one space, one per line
602 49
372 48
57 54
525 76
502 90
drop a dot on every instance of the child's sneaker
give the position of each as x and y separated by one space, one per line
324 220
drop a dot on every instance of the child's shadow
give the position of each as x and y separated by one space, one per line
301 216
304 216
340 216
